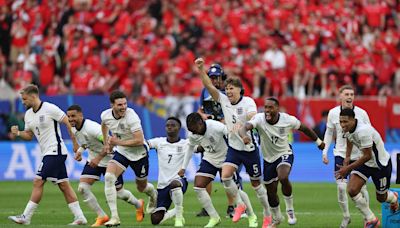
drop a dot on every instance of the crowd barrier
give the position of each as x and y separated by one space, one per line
18 162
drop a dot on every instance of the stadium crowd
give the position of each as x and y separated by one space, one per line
146 48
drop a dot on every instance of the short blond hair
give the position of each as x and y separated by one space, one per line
30 89
344 87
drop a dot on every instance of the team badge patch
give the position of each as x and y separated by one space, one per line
41 119
122 126
239 111
179 149
281 131
212 140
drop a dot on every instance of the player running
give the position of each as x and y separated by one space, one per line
237 110
335 132
209 136
374 162
89 135
129 148
274 127
42 120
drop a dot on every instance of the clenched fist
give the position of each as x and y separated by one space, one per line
14 130
199 63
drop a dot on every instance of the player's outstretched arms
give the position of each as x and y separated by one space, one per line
312 135
214 92
25 135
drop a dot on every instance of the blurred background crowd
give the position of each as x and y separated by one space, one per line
146 48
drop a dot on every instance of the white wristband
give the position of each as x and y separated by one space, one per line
80 150
18 133
318 141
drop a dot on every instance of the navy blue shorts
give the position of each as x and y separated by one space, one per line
339 163
96 173
164 200
380 177
208 170
250 160
270 169
140 167
52 168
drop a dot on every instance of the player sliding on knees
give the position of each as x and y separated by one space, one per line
238 109
209 136
170 187
90 137
274 127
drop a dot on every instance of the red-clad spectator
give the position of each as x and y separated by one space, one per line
385 69
370 88
46 64
375 13
57 87
21 77
80 81
19 36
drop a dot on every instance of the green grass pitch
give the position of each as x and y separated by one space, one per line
315 205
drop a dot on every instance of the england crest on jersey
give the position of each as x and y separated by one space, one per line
282 131
212 140
239 111
179 149
41 118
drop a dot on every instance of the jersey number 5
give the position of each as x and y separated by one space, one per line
234 119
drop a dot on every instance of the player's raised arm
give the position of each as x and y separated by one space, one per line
312 135
214 92
242 132
25 135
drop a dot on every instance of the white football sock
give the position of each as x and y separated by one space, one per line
205 201
127 196
245 198
276 212
169 214
263 198
150 190
111 193
30 209
364 192
289 202
363 207
177 198
342 197
232 189
76 209
90 199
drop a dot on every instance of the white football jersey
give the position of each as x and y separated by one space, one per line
90 137
365 136
44 123
123 128
170 159
235 118
333 122
213 142
274 138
